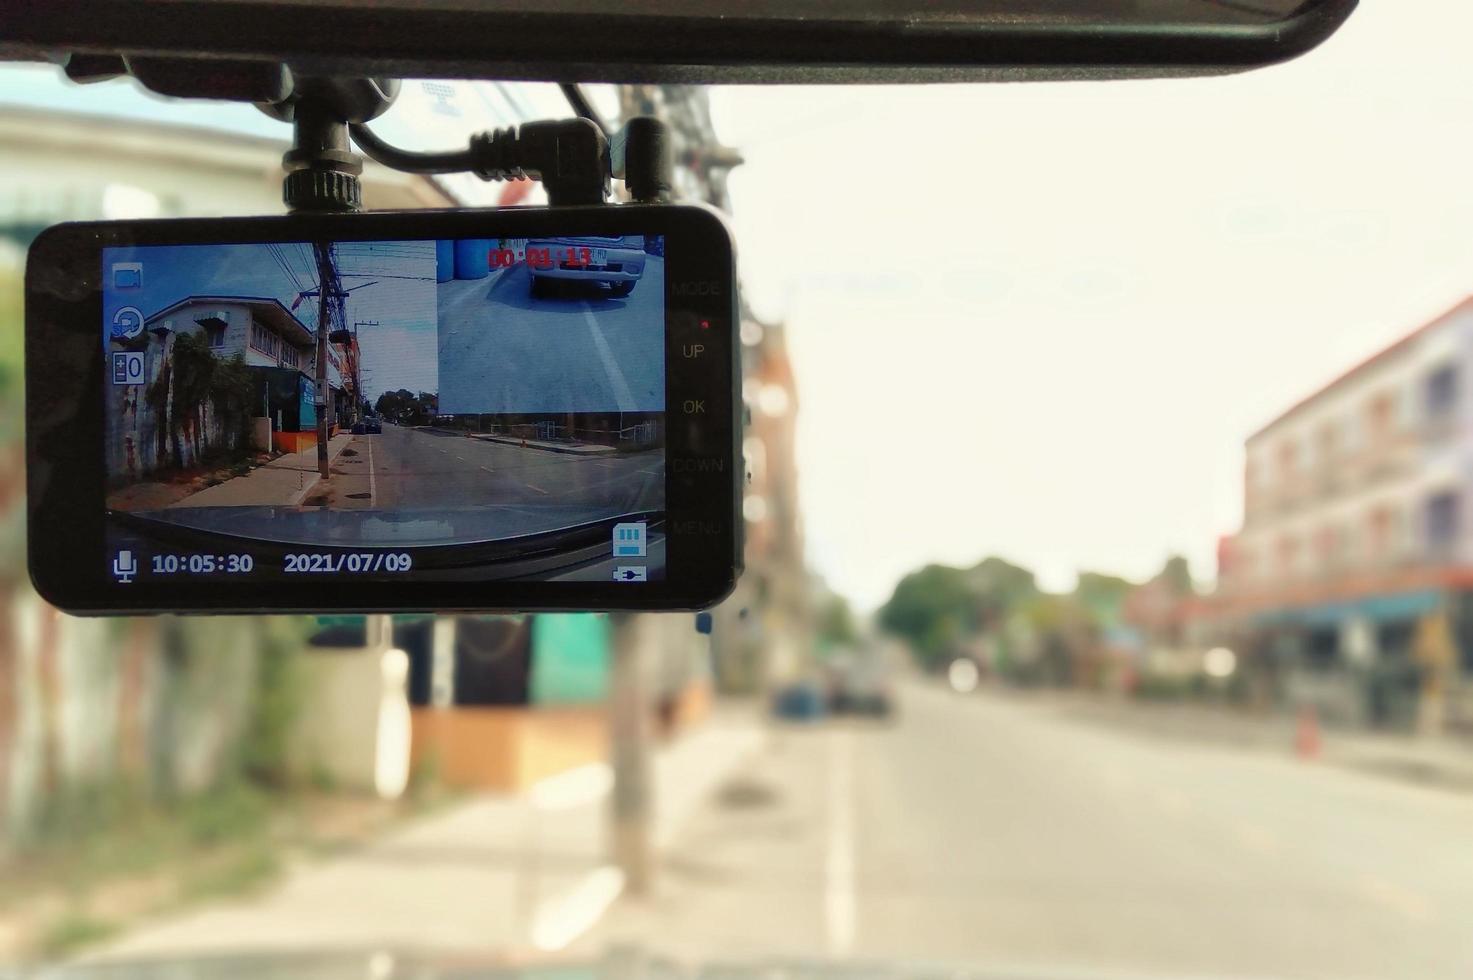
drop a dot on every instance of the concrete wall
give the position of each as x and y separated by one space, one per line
92 704
138 440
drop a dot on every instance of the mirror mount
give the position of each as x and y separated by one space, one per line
321 167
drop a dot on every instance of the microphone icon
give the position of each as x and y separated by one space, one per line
125 566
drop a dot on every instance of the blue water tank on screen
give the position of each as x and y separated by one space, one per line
444 260
472 258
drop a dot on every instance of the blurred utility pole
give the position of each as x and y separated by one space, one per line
378 631
631 803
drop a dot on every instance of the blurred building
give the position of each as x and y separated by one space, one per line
1352 575
764 631
73 166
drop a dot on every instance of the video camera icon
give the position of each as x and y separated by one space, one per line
127 275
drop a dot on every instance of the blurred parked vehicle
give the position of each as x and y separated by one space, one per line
800 700
860 683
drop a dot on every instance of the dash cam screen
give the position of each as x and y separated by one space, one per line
468 409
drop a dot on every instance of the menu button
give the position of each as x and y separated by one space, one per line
698 527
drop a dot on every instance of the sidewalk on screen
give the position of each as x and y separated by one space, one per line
283 482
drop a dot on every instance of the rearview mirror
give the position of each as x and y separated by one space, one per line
696 41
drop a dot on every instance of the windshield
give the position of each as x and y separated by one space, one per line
1107 601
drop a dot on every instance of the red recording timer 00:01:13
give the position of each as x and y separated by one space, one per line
542 258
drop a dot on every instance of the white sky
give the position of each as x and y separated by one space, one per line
1040 320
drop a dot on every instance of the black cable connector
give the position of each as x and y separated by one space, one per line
569 156
641 155
572 158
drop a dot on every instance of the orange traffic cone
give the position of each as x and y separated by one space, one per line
1307 733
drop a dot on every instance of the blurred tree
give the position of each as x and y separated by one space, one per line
997 587
406 406
926 610
1061 633
398 405
12 356
1177 575
939 607
835 626
1103 596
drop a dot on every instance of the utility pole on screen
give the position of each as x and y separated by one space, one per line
326 287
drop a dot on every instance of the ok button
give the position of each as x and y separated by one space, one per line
694 406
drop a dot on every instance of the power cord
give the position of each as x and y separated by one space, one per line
582 107
569 156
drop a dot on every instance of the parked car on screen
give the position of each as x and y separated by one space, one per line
617 263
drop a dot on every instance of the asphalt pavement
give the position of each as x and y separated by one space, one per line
982 832
424 486
408 468
502 350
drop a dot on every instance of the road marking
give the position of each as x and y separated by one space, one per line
372 486
838 865
486 468
461 458
532 486
559 921
622 395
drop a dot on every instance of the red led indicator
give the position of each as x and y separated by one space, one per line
705 324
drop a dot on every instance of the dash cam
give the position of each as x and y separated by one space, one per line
523 409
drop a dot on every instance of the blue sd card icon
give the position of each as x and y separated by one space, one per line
629 540
127 275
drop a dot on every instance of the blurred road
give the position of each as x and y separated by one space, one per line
503 350
984 832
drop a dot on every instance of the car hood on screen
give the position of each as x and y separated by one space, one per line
420 528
